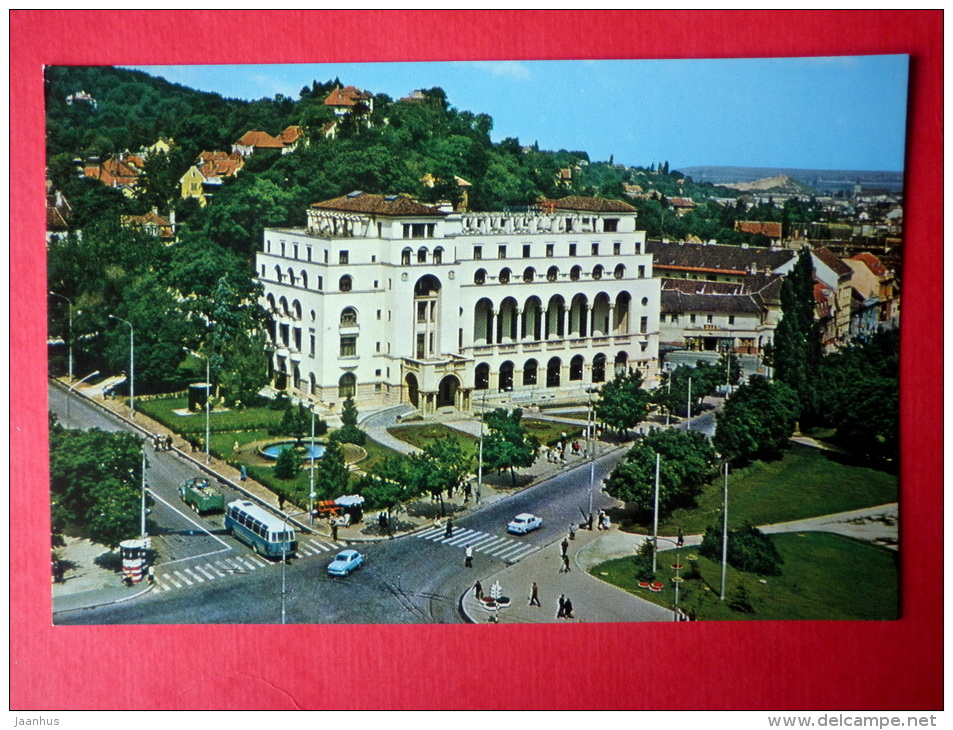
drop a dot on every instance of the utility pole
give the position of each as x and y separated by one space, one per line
655 512
724 536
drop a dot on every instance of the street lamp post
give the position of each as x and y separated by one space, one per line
72 388
132 365
142 519
311 494
592 463
479 488
69 315
724 535
688 419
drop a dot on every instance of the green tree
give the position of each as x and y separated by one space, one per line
349 431
296 422
387 486
685 464
331 475
508 445
96 483
623 402
757 421
796 349
749 550
288 464
439 468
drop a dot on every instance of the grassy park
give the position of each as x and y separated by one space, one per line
824 577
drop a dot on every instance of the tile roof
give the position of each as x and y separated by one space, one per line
872 262
291 134
150 219
771 229
717 257
831 261
348 96
677 302
361 202
258 139
681 202
592 205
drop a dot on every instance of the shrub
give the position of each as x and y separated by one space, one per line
349 435
288 464
749 550
740 599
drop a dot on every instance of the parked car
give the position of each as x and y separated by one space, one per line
345 562
524 523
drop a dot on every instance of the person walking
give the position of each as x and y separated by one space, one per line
572 531
478 590
534 595
567 609
565 568
589 522
562 607
681 538
565 546
449 532
334 530
468 559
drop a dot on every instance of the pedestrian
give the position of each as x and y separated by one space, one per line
468 557
235 448
478 590
168 442
449 532
567 609
151 575
602 519
467 491
589 522
681 538
382 522
281 503
562 606
244 473
534 595
692 616
334 530
565 568
572 531
565 546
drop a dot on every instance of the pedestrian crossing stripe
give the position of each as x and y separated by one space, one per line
195 574
503 548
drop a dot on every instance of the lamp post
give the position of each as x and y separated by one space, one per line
479 488
74 386
69 311
208 401
592 463
655 512
311 494
724 535
688 419
132 365
142 519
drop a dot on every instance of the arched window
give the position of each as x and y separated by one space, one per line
506 376
405 257
346 283
304 279
552 274
619 271
278 275
529 273
552 373
530 372
645 301
291 276
349 317
271 302
347 385
575 367
438 255
422 255
505 276
597 272
482 381
599 368
575 273
296 309
479 278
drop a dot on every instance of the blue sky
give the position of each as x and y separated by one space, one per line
823 113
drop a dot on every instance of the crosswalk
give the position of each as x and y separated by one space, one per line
504 548
171 576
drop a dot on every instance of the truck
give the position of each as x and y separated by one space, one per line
201 496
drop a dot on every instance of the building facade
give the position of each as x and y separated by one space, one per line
392 301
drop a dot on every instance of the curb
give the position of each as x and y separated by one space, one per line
143 592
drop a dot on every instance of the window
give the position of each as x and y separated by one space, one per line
572 249
644 325
645 301
597 273
295 250
320 283
594 250
405 257
610 225
478 253
422 256
505 276
345 284
619 271
575 273
311 350
347 385
377 373
552 274
479 278
731 319
438 255
616 248
349 317
529 274
325 257
674 319
501 251
550 250
526 250
343 257
349 346
641 272
691 318
282 248
378 314
378 347
709 319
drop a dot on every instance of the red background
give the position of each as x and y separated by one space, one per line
746 665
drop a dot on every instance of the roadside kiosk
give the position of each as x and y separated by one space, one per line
134 559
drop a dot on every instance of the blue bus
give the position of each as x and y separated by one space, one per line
267 535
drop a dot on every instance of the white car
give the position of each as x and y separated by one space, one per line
524 523
345 562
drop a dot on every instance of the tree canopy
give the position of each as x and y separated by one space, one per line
507 443
623 403
757 421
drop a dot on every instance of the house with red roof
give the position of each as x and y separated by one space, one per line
873 280
254 141
350 99
120 172
771 229
208 174
152 223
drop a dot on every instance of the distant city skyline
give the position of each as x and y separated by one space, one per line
843 113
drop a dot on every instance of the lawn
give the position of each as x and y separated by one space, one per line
423 435
824 577
162 410
806 482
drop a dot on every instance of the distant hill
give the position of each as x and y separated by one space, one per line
780 184
822 181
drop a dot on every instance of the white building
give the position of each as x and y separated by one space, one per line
393 301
